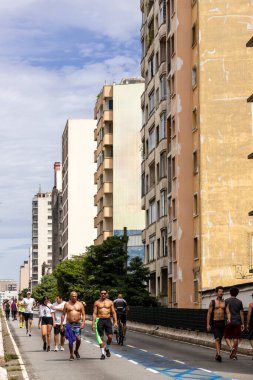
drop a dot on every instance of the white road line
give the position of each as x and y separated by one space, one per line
87 341
128 345
178 361
143 350
20 360
132 361
160 356
119 356
152 370
206 370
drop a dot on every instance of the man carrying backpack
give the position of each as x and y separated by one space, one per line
216 319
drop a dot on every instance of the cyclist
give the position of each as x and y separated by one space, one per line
121 309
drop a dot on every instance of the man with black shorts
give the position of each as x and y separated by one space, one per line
250 323
58 307
120 306
29 304
235 324
101 322
216 320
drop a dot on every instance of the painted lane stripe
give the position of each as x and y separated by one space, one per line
160 356
178 361
143 350
152 370
206 370
128 345
119 356
132 361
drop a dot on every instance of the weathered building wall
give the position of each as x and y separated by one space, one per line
226 137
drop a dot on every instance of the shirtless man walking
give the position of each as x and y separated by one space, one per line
101 322
217 309
74 311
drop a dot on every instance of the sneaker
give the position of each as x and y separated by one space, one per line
56 349
107 352
235 357
102 357
232 353
48 348
219 359
44 346
30 333
71 358
77 355
61 348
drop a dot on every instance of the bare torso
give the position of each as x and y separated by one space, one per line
73 311
219 310
104 308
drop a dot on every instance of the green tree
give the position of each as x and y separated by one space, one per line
70 276
105 266
47 287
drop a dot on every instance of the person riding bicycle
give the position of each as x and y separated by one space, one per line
121 309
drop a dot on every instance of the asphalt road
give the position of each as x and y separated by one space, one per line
142 357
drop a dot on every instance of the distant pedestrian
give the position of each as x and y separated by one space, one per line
21 310
235 324
250 323
216 320
7 308
14 309
29 304
45 322
58 307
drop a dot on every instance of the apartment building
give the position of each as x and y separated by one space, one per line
57 216
202 47
117 198
41 255
24 276
78 187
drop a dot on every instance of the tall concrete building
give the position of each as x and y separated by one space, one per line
57 216
200 47
24 276
118 119
78 188
41 255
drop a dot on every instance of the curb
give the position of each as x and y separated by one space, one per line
3 371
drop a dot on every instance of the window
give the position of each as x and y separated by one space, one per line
157 172
143 184
163 56
147 253
157 61
151 68
172 7
152 249
172 45
162 12
172 86
151 139
143 116
174 211
163 87
49 217
158 209
163 162
163 127
174 250
163 198
195 205
164 247
194 76
157 135
174 292
158 248
195 162
173 167
49 203
157 98
151 33
152 174
196 251
110 104
194 119
173 127
151 102
152 212
142 48
194 35
196 291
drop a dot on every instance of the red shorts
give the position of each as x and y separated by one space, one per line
232 331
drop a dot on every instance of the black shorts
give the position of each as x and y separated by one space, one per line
46 321
28 316
250 336
218 329
104 325
121 317
57 330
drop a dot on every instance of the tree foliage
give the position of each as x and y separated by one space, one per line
47 287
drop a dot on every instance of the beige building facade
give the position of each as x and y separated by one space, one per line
209 135
24 276
118 119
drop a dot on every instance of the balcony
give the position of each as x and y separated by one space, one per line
95 222
108 139
103 237
143 99
95 155
108 115
162 68
143 202
95 199
95 134
95 178
108 91
162 31
150 13
108 163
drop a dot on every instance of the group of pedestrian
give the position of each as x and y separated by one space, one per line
226 319
10 308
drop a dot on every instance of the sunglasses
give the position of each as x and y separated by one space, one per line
102 293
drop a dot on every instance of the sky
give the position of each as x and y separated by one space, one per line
55 56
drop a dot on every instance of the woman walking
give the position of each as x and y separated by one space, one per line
7 309
45 322
21 310
14 310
